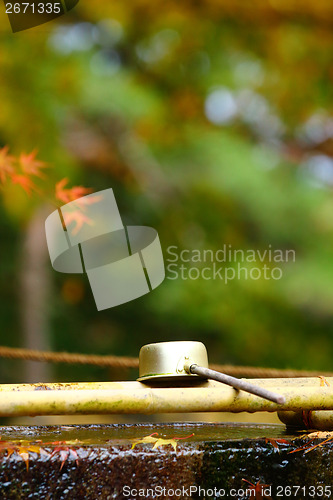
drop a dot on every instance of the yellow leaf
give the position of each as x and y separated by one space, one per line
165 442
158 441
21 448
146 439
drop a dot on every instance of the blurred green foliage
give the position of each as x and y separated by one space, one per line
213 123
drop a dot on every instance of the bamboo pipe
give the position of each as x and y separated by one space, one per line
136 397
320 420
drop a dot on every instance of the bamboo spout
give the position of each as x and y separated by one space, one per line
136 397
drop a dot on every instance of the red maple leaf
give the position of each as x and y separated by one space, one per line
258 489
67 195
276 442
65 451
6 164
25 182
30 165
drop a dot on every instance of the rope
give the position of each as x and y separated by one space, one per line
66 357
126 362
257 372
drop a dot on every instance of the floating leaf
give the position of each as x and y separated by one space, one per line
165 442
21 448
158 441
144 440
65 451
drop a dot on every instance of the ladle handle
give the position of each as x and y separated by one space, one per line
237 383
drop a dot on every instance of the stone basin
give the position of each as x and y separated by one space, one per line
109 461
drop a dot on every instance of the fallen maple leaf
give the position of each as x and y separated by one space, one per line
326 436
21 448
65 451
146 439
165 442
158 441
23 452
6 164
320 434
30 165
276 442
323 381
258 489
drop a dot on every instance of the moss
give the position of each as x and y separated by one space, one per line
226 463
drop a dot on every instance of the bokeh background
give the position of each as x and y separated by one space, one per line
212 121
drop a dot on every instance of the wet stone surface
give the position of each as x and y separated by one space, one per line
124 461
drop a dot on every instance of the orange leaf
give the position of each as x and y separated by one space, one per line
30 165
21 448
258 489
25 182
24 454
64 451
327 437
323 381
276 442
67 195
